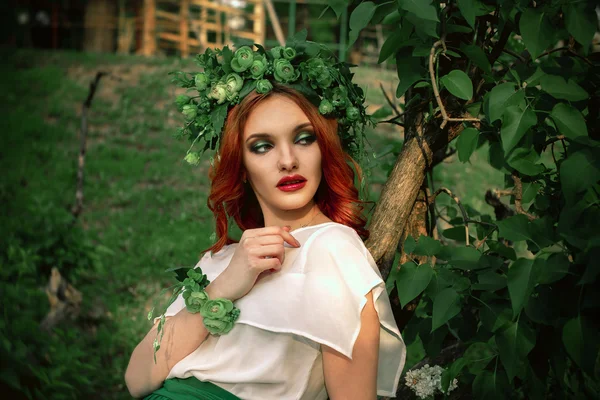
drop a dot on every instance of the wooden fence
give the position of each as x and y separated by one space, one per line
190 26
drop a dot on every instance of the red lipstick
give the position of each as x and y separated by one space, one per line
291 183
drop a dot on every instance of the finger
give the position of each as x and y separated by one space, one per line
272 250
278 230
268 239
266 264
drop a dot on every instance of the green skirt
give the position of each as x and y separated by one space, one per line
190 389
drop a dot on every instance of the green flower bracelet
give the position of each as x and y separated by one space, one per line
218 314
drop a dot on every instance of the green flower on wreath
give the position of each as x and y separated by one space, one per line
234 82
352 113
259 66
325 107
284 71
201 81
216 309
190 111
289 53
314 67
339 99
192 158
242 59
218 92
181 101
276 52
263 86
195 300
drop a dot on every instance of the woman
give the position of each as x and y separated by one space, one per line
314 317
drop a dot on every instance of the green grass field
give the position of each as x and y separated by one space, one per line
144 208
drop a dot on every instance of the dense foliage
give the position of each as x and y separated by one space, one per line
516 291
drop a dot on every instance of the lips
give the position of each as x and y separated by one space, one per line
291 180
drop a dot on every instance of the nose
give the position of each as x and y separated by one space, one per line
287 159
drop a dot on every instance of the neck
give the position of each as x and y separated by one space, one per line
305 216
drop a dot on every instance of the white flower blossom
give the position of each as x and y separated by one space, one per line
427 381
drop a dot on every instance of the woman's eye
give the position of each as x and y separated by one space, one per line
260 147
306 139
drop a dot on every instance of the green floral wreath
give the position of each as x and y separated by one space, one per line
227 77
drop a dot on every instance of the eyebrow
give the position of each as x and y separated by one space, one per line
266 135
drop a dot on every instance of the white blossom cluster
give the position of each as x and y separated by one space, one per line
427 381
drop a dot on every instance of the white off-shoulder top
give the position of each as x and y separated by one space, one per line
274 349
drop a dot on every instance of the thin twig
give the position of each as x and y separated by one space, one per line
436 92
482 241
569 50
87 104
518 192
389 100
512 53
460 206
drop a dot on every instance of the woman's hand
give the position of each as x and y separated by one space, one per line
259 250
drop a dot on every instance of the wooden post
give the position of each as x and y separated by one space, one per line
275 22
259 22
203 19
184 28
149 29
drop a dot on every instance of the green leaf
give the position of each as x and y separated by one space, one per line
452 372
466 258
495 316
530 190
534 79
515 123
446 305
409 244
490 385
467 143
459 84
592 268
581 22
569 121
409 70
536 31
580 340
338 6
552 269
525 161
580 170
501 249
421 8
395 41
360 18
514 228
427 246
382 112
478 356
457 233
218 117
558 88
502 96
490 281
477 56
425 29
411 280
521 279
514 343
471 9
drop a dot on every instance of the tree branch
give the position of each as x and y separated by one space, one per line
518 192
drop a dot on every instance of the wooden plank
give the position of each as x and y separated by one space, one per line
259 23
275 22
167 15
184 27
149 29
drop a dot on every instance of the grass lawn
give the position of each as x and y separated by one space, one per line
144 208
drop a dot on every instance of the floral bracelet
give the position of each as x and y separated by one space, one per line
218 314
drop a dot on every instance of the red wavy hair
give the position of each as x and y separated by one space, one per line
337 196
